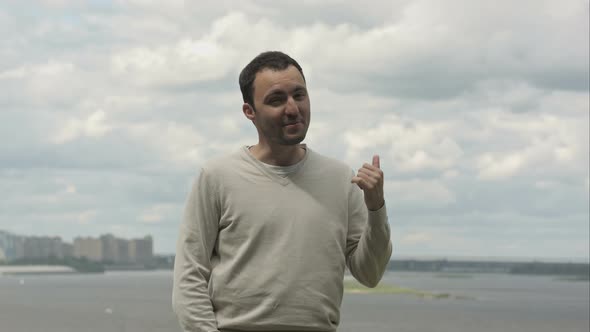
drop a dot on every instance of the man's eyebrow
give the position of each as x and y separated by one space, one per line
280 92
274 93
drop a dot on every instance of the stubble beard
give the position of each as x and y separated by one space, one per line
284 139
292 141
281 138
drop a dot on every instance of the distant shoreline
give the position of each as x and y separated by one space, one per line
503 267
559 269
17 270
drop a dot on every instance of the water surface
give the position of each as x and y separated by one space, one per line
141 302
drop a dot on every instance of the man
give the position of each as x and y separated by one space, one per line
269 230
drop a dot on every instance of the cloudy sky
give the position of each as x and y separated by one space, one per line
479 110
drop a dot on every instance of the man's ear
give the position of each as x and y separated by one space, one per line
249 111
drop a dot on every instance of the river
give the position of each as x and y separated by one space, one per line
140 302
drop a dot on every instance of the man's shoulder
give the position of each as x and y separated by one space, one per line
223 160
219 164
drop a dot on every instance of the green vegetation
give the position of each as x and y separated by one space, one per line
563 269
574 278
454 276
352 286
457 267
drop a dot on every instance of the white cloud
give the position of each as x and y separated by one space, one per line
353 106
419 193
171 6
51 70
57 3
71 189
94 125
500 167
85 217
158 213
187 61
416 238
556 143
229 125
45 84
417 53
411 145
179 144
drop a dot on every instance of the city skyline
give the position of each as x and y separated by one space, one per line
465 257
104 248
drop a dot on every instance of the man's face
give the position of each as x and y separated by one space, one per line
282 106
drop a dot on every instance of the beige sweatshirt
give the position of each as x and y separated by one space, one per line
261 252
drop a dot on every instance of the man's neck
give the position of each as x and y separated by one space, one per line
283 155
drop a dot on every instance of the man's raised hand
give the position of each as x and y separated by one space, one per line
370 179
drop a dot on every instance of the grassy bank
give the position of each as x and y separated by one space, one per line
354 287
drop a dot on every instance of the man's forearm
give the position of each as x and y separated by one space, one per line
369 260
190 296
192 266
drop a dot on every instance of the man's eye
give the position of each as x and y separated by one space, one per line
299 96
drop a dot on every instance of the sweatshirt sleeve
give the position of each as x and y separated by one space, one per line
192 265
368 244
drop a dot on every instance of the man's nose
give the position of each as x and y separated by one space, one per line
291 108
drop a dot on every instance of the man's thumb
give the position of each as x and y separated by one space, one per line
376 161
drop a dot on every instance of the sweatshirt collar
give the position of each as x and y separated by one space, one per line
268 172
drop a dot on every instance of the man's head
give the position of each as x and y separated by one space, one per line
276 99
272 60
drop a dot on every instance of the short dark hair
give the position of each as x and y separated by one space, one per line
268 60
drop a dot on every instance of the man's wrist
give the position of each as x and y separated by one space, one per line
376 207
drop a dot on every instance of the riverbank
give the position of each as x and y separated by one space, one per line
35 270
352 286
80 265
